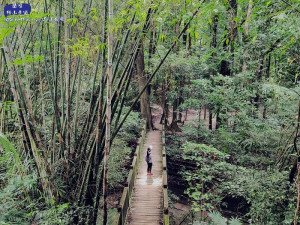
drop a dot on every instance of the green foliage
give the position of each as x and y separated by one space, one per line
266 192
172 198
211 167
20 197
213 178
119 156
10 151
217 219
80 47
121 150
257 114
57 214
131 127
27 59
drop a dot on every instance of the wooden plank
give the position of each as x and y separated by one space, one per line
163 141
166 219
135 168
125 208
130 181
166 204
142 142
137 150
122 201
165 179
164 151
133 163
117 219
164 163
144 134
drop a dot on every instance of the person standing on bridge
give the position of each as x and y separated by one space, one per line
149 160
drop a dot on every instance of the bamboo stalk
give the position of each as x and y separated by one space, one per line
98 157
297 183
54 81
67 86
42 169
108 110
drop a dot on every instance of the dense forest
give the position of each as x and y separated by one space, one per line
79 78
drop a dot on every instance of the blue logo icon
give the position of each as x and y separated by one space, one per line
17 9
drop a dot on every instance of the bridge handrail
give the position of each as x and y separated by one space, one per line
123 206
165 178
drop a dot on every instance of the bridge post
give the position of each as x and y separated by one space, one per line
165 178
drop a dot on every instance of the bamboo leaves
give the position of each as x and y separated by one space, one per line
9 148
62 67
27 59
81 47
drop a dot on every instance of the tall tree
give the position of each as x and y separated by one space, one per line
214 71
229 41
246 28
174 125
142 79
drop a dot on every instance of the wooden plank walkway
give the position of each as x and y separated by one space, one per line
146 201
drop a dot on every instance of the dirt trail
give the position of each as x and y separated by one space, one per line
188 116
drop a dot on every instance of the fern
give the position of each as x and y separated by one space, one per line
235 221
10 149
218 219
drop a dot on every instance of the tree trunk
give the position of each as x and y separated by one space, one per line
293 171
232 23
184 37
219 121
246 28
142 79
210 125
164 105
214 72
177 30
190 42
174 125
199 122
181 101
268 67
260 65
229 42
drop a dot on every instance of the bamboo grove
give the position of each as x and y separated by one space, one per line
67 83
71 49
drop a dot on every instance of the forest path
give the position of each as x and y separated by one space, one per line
146 200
